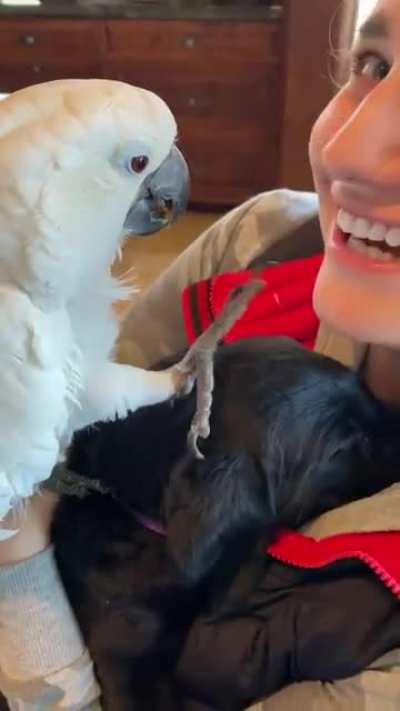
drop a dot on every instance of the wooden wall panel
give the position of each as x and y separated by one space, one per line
310 25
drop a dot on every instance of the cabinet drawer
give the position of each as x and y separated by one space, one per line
235 157
18 75
241 95
187 77
35 40
222 176
205 42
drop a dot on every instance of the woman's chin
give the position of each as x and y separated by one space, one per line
366 310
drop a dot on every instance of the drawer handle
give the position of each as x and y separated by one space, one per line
192 102
29 40
37 68
189 42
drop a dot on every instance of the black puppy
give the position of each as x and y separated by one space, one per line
292 434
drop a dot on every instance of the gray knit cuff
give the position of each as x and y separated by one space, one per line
38 631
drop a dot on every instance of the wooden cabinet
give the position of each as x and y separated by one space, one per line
220 79
37 40
41 50
244 93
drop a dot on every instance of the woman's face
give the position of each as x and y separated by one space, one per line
355 156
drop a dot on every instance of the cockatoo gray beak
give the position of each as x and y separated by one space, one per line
163 196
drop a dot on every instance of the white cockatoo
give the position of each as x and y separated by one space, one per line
82 163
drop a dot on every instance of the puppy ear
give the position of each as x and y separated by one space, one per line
215 508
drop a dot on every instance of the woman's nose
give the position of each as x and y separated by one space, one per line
366 148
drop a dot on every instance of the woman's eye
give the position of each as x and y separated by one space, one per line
370 66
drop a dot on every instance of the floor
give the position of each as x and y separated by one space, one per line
147 257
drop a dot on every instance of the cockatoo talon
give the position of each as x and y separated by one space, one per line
192 441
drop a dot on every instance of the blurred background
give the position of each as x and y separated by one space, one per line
245 79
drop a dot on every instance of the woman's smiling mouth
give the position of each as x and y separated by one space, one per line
364 244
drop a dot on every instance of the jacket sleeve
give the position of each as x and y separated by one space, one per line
313 631
43 660
154 329
378 687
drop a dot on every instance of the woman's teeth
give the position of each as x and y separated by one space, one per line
374 252
362 232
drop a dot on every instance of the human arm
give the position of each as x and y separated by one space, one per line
43 661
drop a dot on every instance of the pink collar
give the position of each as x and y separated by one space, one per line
150 523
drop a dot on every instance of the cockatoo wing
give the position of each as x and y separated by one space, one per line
33 394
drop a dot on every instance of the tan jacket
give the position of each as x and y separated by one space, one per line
155 328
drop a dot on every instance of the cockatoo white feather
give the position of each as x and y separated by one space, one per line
66 189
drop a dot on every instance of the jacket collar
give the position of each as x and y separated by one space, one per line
380 512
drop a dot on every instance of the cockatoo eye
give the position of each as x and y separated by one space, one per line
139 163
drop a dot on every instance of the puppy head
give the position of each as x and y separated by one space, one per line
292 435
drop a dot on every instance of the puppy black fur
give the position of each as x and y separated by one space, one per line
293 434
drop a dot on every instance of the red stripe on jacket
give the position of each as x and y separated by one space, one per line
283 308
378 550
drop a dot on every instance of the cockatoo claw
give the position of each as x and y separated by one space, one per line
198 363
192 442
